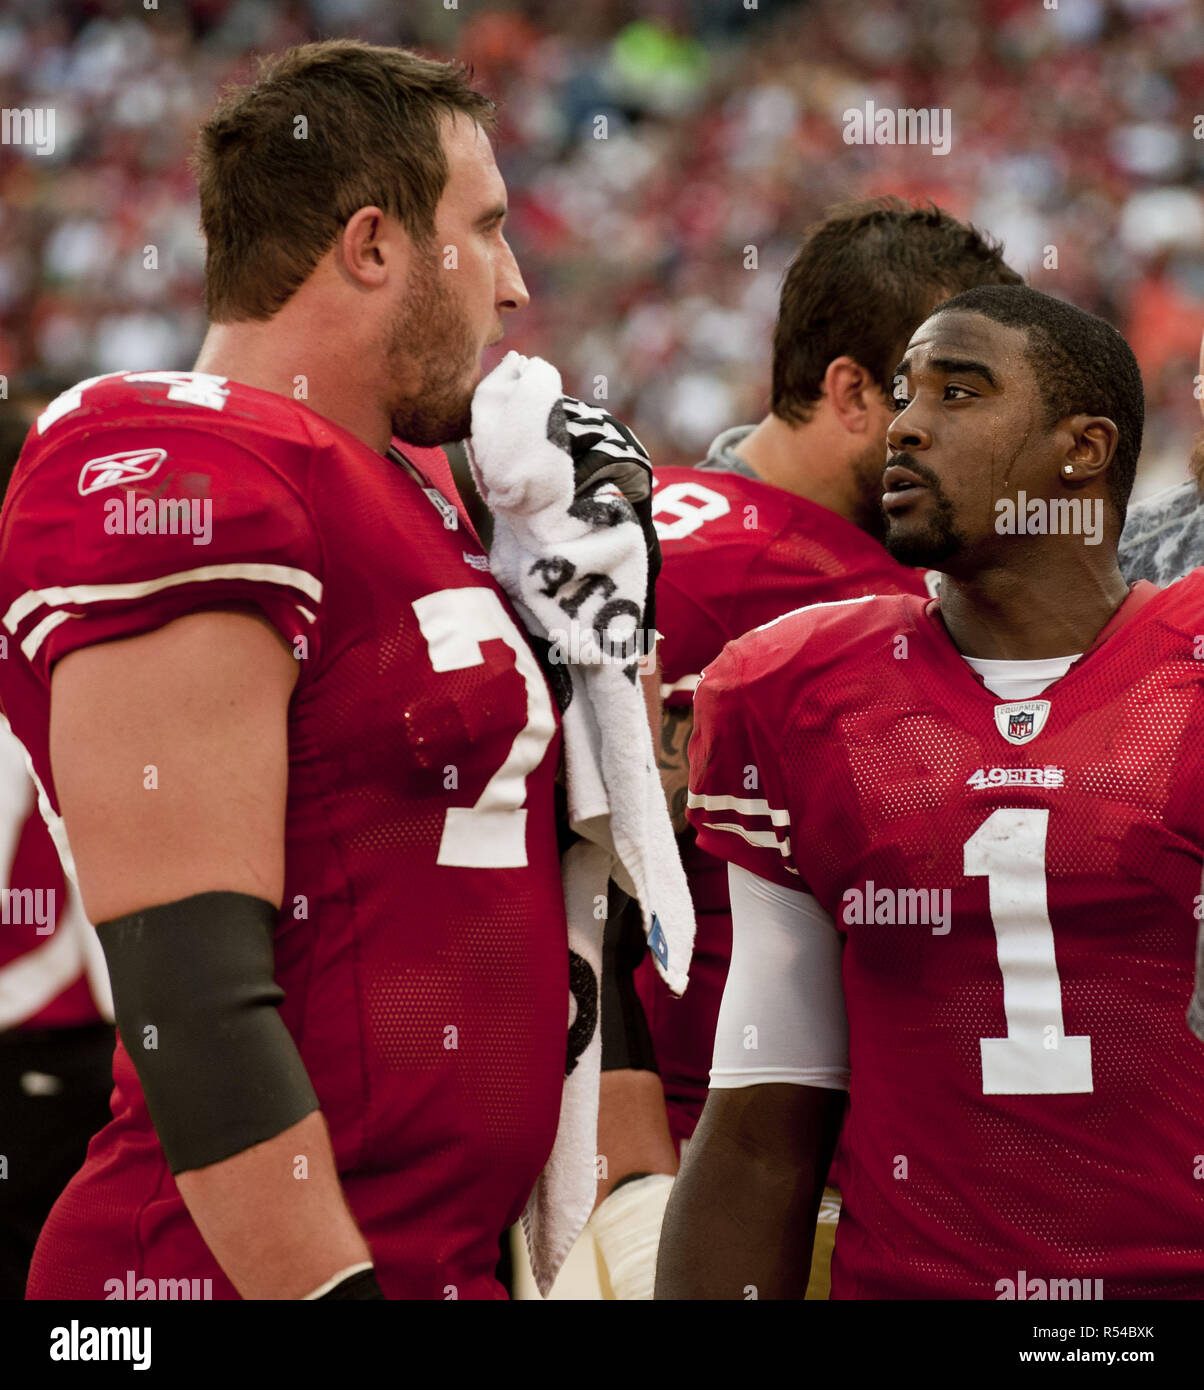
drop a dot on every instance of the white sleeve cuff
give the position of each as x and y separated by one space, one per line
783 1017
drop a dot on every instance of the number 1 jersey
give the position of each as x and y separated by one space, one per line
1016 883
421 945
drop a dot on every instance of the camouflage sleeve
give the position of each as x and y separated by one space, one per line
1163 537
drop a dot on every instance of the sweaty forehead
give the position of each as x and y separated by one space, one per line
969 337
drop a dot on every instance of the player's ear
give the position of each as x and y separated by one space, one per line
852 393
367 247
1093 440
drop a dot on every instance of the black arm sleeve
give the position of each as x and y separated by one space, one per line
626 1039
196 1006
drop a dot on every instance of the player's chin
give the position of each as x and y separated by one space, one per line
441 422
902 527
917 544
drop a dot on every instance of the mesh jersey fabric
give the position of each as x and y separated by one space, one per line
1024 1091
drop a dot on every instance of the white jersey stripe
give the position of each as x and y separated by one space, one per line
830 603
34 639
33 599
741 805
762 839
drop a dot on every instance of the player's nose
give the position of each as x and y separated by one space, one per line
511 291
907 432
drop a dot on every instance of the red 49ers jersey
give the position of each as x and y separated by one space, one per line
421 945
1025 1097
736 553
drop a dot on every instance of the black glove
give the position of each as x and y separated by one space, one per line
356 1287
604 450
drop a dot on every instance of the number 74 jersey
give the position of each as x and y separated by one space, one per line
1018 886
421 945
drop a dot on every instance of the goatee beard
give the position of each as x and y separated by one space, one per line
937 543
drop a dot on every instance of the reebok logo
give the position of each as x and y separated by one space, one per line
112 469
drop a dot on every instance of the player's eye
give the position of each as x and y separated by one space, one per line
967 394
899 403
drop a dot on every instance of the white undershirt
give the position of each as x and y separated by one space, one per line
1019 680
782 1018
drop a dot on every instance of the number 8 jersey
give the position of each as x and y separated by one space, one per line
1017 885
421 945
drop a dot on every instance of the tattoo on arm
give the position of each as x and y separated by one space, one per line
677 724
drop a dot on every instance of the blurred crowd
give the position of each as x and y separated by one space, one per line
662 159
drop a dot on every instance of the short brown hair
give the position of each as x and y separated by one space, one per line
864 279
273 200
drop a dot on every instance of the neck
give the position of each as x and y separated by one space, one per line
811 461
1046 607
301 362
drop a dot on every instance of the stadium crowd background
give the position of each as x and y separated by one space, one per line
1078 127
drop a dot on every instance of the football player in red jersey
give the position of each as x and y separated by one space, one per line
963 887
300 743
56 1011
783 514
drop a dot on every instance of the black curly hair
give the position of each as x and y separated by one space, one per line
1082 364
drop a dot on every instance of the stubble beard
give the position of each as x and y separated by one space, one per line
431 354
867 469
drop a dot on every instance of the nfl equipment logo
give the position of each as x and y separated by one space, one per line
1020 726
1020 721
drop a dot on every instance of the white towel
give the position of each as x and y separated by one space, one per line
570 578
